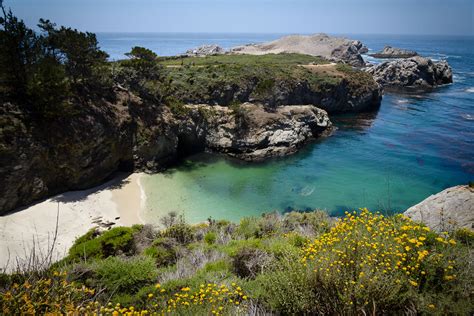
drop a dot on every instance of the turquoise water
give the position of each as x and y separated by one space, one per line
414 146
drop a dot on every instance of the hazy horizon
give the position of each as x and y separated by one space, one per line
389 17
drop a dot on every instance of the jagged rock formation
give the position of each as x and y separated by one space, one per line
393 52
333 48
83 150
253 132
206 50
415 72
445 211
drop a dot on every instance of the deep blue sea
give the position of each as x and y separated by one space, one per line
414 146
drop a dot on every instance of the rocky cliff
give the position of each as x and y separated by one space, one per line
253 132
39 159
415 72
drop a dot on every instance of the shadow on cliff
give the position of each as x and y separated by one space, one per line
115 181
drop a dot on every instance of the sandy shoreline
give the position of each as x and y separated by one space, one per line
118 201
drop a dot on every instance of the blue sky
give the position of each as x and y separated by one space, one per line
255 16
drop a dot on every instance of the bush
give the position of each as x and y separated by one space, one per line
210 238
43 295
182 233
121 275
249 262
95 245
164 251
368 263
465 235
286 289
247 228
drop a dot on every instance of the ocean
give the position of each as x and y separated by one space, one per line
389 160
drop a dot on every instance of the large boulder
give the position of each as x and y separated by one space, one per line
414 72
394 52
445 211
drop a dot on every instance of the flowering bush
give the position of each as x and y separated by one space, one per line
372 264
57 296
44 295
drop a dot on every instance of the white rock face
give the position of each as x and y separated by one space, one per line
445 211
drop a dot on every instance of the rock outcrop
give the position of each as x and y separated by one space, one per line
83 150
416 72
334 90
253 132
333 48
448 210
206 50
393 52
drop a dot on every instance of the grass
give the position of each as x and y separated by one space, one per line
268 59
297 263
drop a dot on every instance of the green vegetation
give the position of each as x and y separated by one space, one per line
297 263
112 242
269 59
44 72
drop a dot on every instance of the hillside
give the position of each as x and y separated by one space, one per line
298 263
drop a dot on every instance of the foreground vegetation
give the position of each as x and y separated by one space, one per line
299 263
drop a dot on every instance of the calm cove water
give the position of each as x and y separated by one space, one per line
414 146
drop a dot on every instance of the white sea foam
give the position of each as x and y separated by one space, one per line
470 90
468 117
402 101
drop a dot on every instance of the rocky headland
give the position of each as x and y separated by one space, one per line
415 72
332 48
394 52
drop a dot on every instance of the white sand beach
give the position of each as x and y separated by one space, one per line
33 228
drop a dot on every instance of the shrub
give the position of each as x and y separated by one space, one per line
368 263
124 275
465 235
210 238
247 228
94 245
181 232
43 296
286 289
249 262
163 250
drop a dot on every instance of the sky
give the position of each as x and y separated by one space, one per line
437 17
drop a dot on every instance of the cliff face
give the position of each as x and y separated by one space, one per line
333 88
40 159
